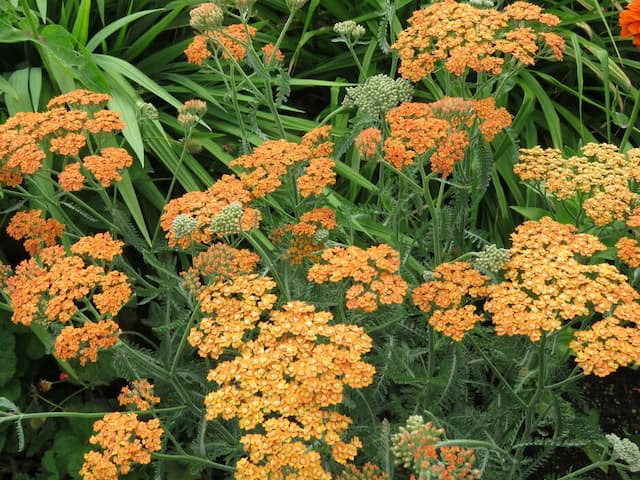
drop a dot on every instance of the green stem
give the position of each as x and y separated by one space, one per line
593 466
496 371
193 459
13 416
183 340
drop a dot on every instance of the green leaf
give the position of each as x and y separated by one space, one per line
125 187
531 213
113 27
6 87
7 357
80 29
68 61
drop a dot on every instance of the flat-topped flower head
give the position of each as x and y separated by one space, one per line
463 37
36 232
378 95
601 174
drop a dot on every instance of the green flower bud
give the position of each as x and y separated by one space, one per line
183 225
320 236
147 111
227 222
492 258
378 95
206 17
349 31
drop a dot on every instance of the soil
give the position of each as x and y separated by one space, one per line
617 400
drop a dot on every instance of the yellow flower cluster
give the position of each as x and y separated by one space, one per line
373 271
203 207
610 343
283 382
546 284
440 129
233 307
140 394
464 37
124 440
454 285
64 129
602 174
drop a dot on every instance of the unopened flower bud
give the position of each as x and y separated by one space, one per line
206 17
378 95
320 236
147 111
183 225
349 31
227 222
492 258
624 449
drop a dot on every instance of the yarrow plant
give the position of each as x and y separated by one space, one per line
306 261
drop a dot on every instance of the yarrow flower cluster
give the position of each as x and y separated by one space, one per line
368 143
281 385
306 238
491 258
230 41
378 95
369 471
188 219
51 284
139 394
84 342
600 177
373 272
440 130
124 440
463 37
36 232
415 447
63 129
349 31
625 450
546 284
448 295
263 169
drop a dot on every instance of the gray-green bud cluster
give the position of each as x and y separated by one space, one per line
349 31
227 222
206 17
492 258
415 430
378 95
625 450
147 111
183 225
320 236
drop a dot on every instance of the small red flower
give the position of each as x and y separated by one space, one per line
64 376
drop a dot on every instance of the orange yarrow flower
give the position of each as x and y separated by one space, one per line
629 251
84 342
37 232
124 440
282 382
203 207
630 22
368 142
100 246
262 170
139 393
373 272
547 284
439 130
463 37
49 285
453 286
602 174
